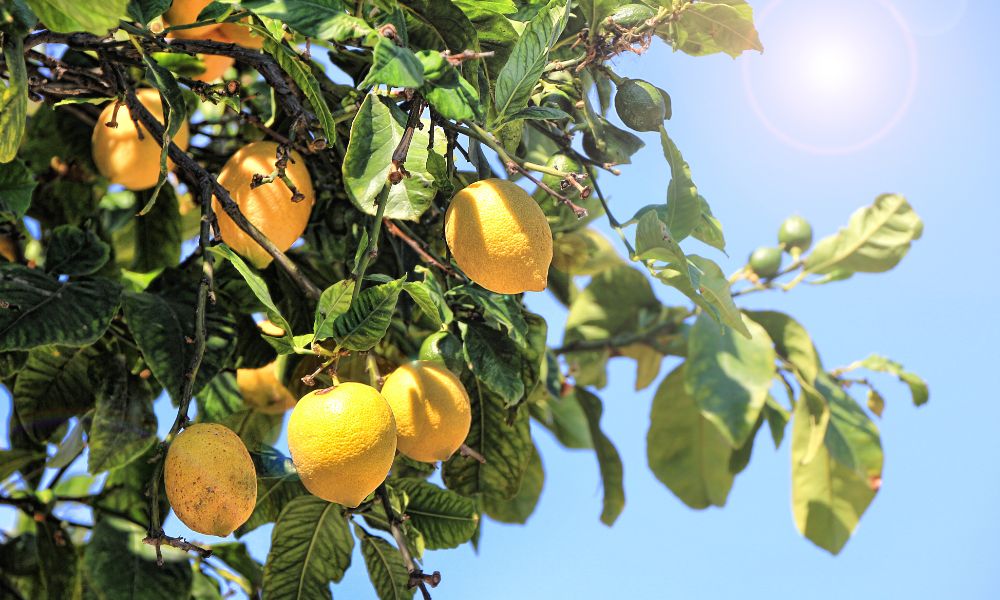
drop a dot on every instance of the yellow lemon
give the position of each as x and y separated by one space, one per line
268 206
262 391
210 480
432 409
119 153
182 12
342 441
270 329
499 236
241 35
215 66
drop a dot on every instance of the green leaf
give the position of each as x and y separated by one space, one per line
538 113
614 145
438 25
777 418
73 251
495 32
124 425
428 297
54 385
527 60
564 417
685 450
791 341
876 238
117 563
256 429
500 310
446 519
57 558
319 19
393 66
385 568
712 26
40 310
236 555
13 98
612 477
204 587
502 437
311 546
15 459
519 508
375 133
448 92
684 205
729 376
292 63
594 12
277 485
157 235
612 304
828 498
68 16
495 361
712 293
144 11
16 186
366 321
176 112
654 241
918 387
851 437
125 490
709 229
334 302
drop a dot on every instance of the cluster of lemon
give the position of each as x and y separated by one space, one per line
343 441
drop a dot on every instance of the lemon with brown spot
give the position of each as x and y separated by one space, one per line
262 391
342 441
184 12
119 153
270 206
499 236
432 410
210 479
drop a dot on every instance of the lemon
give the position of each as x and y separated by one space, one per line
119 153
432 409
269 206
210 480
262 391
640 105
241 35
796 233
499 236
765 262
342 441
182 12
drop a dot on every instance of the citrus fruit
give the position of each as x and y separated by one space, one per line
499 236
443 348
182 12
796 233
119 153
640 105
241 35
209 479
432 410
631 15
269 206
262 391
563 163
216 66
342 441
766 262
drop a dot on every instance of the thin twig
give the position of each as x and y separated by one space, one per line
396 231
417 576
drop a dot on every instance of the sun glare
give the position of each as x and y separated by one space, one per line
831 68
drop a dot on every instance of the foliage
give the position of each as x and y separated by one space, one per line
99 314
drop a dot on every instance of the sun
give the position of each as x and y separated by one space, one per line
831 67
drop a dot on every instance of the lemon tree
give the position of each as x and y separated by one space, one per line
334 210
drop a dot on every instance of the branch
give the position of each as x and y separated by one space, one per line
417 577
425 255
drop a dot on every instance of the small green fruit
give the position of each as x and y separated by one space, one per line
796 233
443 348
640 105
631 15
564 164
765 262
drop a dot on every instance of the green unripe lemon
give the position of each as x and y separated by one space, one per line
443 348
563 163
631 15
796 232
640 105
766 262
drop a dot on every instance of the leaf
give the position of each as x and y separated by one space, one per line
124 424
502 437
538 113
204 587
647 361
301 73
121 566
712 26
393 66
519 508
57 558
729 376
684 205
613 144
610 305
449 93
375 133
13 98
144 11
311 546
236 555
527 60
431 301
595 11
157 235
68 16
777 418
495 361
918 387
685 450
277 485
852 439
828 498
654 241
607 458
334 302
565 418
876 238
385 568
73 251
709 229
125 490
14 460
446 519
320 19
176 111
40 310
791 341
16 185
366 321
500 310
54 385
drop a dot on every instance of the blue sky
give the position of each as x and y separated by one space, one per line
932 531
